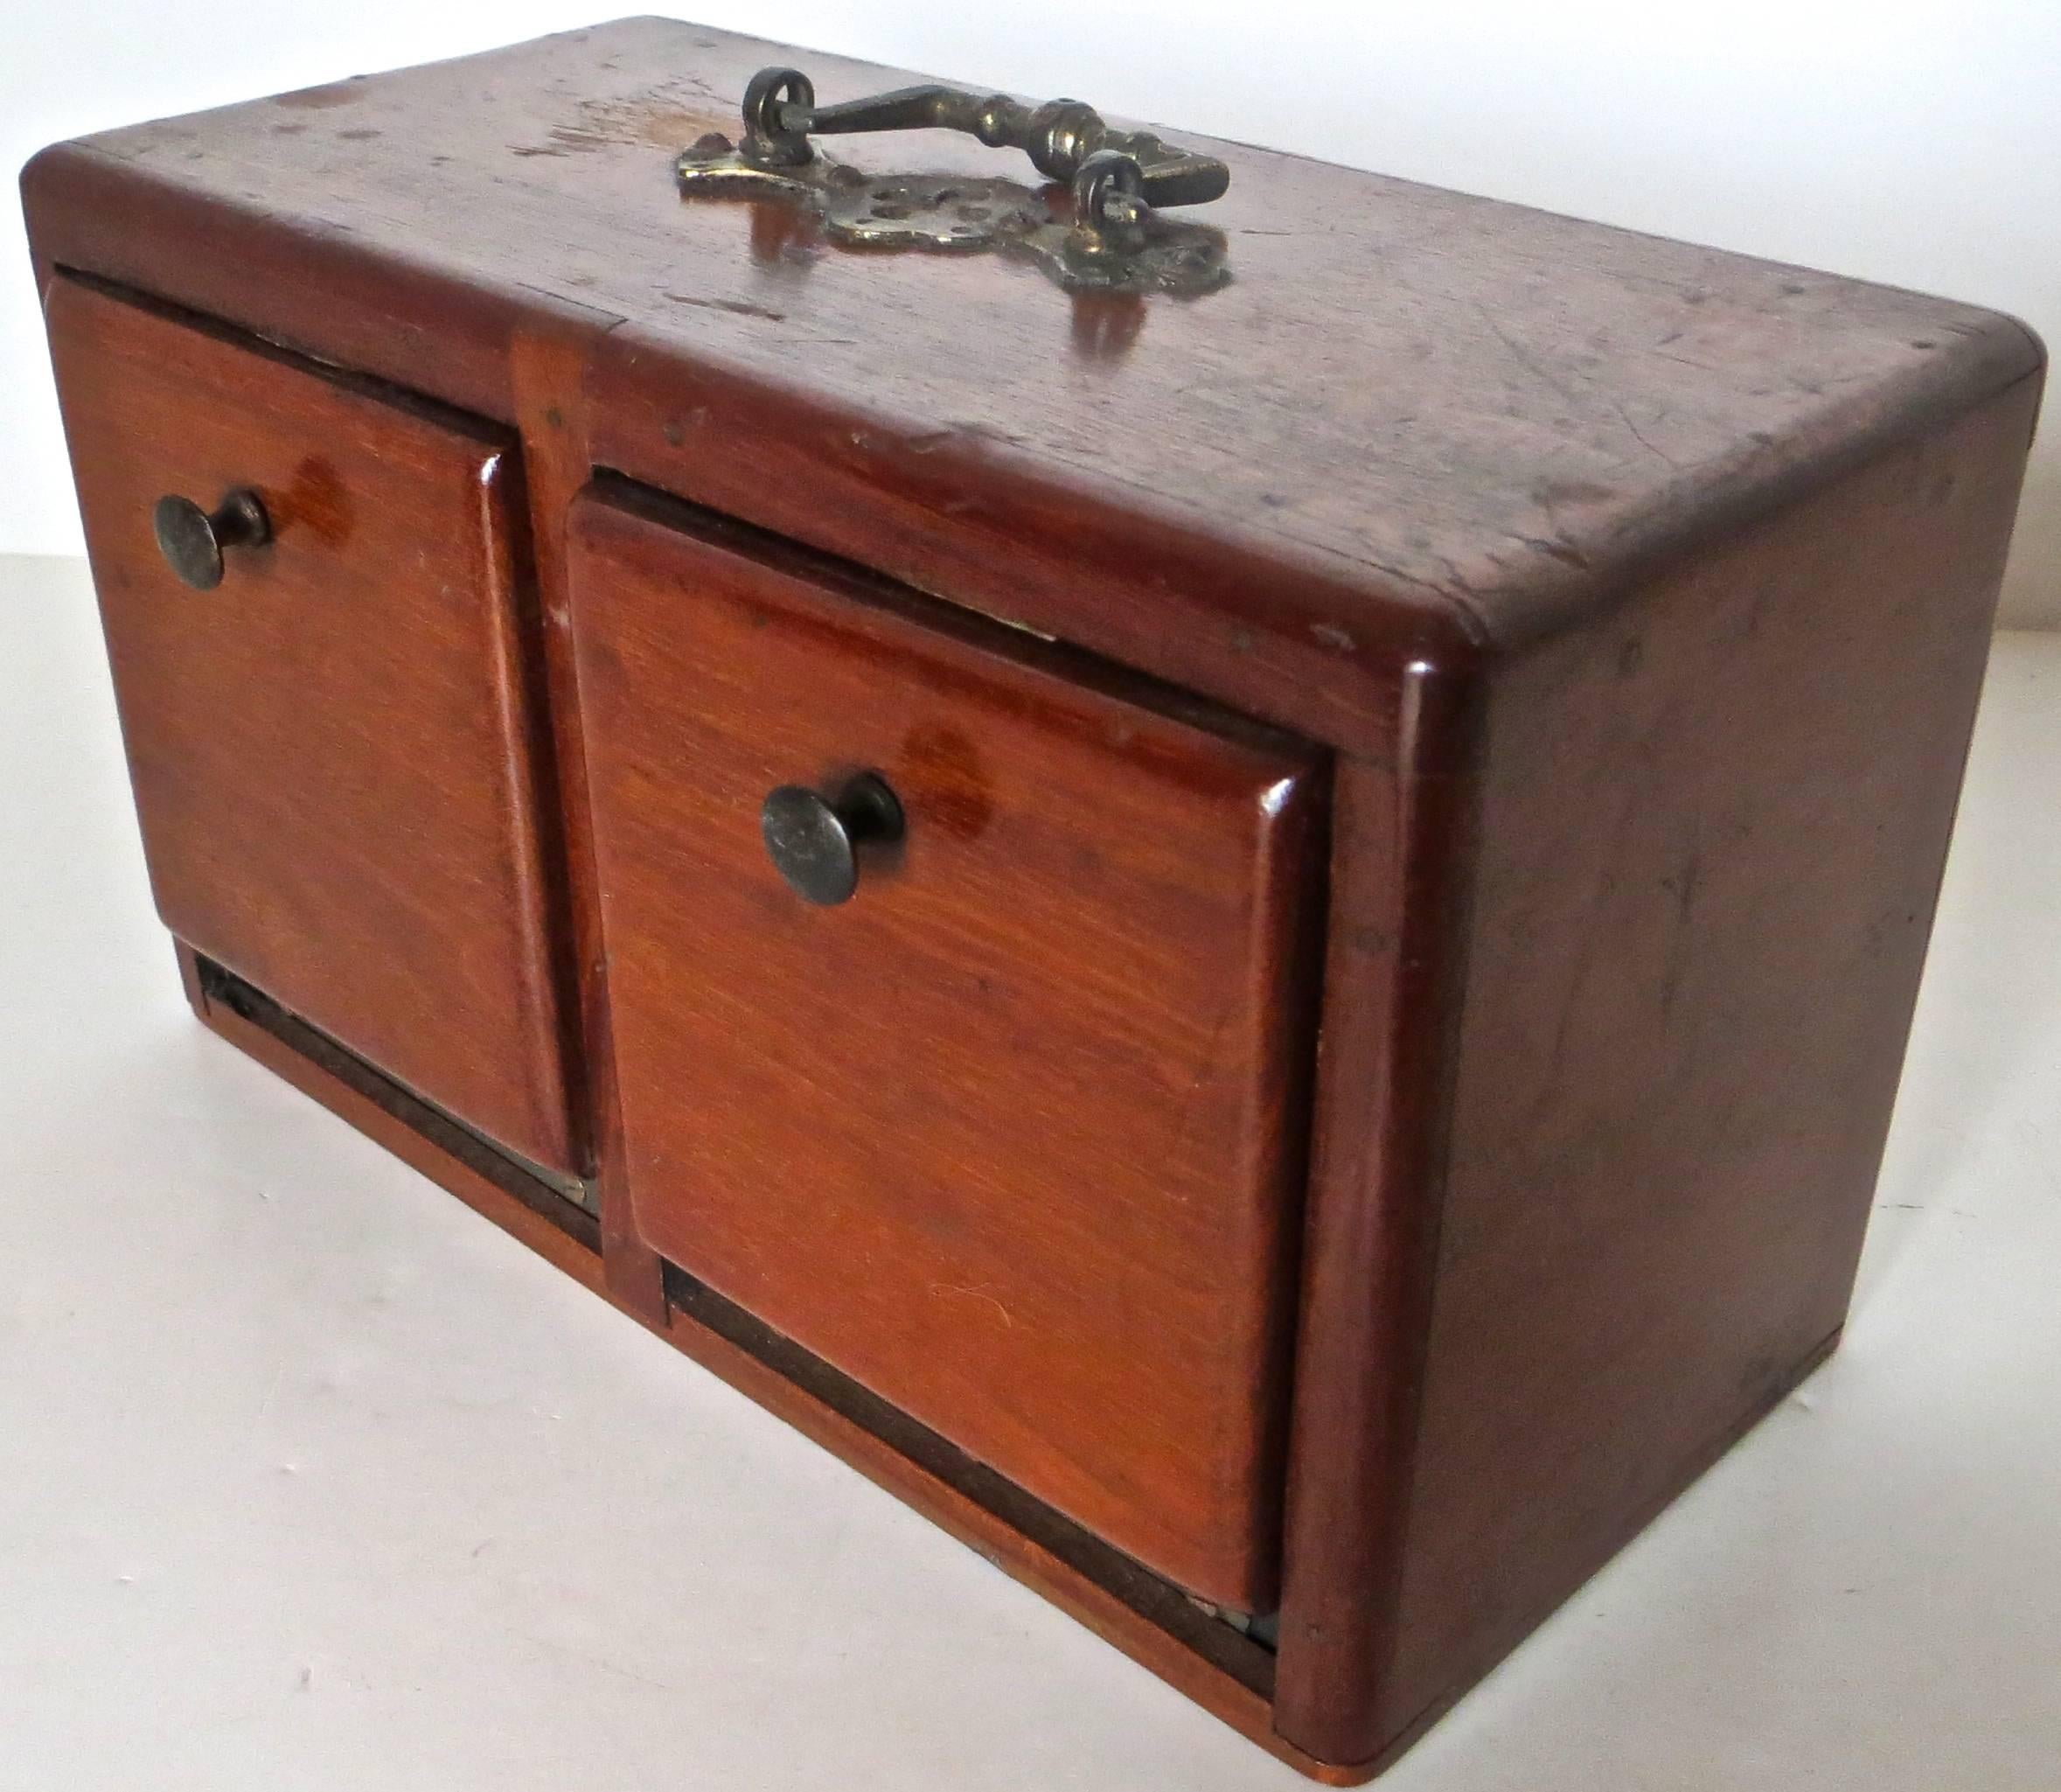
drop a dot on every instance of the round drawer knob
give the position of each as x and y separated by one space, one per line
191 539
814 840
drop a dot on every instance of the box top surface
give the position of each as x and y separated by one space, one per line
1428 403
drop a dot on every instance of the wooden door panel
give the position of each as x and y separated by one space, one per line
332 749
1012 1135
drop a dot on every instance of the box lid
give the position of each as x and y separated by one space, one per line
1413 421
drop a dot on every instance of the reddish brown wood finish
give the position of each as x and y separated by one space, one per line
1014 1135
1401 846
1599 562
332 750
1710 837
1671 883
1413 419
546 359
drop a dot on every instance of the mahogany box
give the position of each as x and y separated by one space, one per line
1220 861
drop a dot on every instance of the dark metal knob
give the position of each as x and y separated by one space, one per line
191 539
814 840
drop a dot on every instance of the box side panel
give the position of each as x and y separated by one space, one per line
1402 844
1712 831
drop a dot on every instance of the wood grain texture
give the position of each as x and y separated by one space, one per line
1711 835
547 361
1013 1136
1402 846
1638 592
332 750
1413 419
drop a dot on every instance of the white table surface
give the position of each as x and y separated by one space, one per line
310 1478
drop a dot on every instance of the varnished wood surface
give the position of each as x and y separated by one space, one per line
1711 839
1403 855
1013 1136
332 750
1413 419
546 360
1358 494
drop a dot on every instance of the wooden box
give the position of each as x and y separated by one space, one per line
1372 825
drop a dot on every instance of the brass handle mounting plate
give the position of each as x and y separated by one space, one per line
1103 233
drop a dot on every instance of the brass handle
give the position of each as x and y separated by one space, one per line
191 539
1115 241
1118 175
813 840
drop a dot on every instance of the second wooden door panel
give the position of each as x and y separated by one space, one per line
1013 1134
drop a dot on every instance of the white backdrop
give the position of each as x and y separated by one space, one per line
1883 138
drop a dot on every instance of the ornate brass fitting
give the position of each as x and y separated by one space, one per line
1110 238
